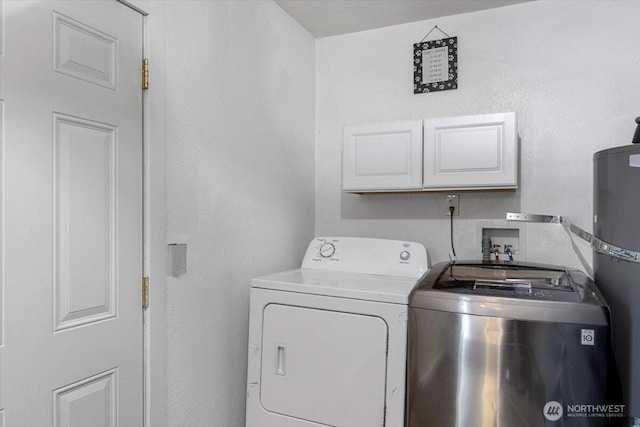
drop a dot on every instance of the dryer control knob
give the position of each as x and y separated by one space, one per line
405 255
327 250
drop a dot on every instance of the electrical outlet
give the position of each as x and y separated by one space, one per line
452 200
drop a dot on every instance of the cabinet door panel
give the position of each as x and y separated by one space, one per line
382 157
471 152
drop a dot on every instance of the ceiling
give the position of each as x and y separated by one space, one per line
324 18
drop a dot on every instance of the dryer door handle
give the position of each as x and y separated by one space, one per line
281 359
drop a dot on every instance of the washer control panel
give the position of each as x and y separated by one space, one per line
365 255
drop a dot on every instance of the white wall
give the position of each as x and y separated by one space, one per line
571 70
240 105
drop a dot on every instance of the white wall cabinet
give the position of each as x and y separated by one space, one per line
471 152
477 152
382 157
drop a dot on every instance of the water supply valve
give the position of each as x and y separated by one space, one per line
636 136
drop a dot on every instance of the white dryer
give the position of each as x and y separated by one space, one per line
327 341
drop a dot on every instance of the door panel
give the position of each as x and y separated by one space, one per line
479 151
382 156
324 366
71 214
90 402
84 52
85 168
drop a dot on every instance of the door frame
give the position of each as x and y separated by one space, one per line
154 209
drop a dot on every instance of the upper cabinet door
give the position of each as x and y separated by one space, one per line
382 157
471 152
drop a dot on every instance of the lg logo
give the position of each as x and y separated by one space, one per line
587 337
552 410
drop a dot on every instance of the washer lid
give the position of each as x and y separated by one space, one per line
367 287
515 290
508 280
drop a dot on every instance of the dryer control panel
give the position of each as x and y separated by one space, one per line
369 256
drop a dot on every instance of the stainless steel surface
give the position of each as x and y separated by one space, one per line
467 370
598 244
477 359
616 219
527 217
608 249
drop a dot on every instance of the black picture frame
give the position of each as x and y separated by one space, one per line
433 55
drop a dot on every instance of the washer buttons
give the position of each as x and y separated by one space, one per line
405 255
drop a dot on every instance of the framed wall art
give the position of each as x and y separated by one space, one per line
435 65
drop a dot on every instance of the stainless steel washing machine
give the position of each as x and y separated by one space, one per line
506 344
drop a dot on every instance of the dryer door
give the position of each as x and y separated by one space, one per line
324 366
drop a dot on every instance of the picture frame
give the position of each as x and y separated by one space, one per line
435 65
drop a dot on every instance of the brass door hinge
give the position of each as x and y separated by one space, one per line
145 292
145 73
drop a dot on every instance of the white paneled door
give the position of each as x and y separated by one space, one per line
71 232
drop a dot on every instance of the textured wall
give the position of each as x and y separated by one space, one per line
240 186
568 68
